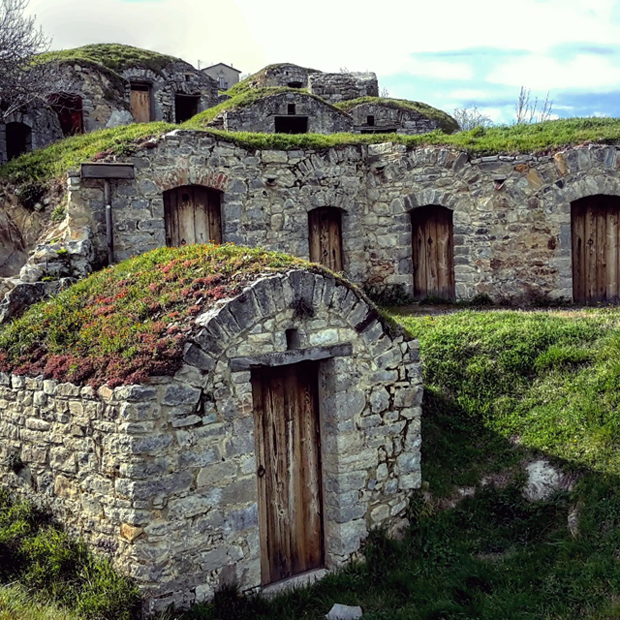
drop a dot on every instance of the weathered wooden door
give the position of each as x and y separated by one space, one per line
141 103
433 252
288 458
193 215
325 226
596 249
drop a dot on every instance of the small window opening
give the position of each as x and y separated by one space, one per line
370 121
222 83
291 109
186 107
295 84
291 124
293 340
144 88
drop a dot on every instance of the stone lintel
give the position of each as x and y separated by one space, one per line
291 357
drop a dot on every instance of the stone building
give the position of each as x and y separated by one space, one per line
284 75
423 222
224 75
288 111
334 87
378 115
173 478
86 95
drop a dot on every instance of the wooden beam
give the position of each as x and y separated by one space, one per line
291 357
108 171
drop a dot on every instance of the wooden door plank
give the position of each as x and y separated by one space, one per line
590 253
611 248
201 222
419 255
141 105
260 434
433 256
578 240
601 250
315 236
214 216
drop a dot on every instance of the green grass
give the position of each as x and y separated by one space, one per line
131 321
112 56
51 576
446 123
54 161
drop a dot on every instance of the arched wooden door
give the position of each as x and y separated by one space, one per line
433 253
325 229
193 215
596 249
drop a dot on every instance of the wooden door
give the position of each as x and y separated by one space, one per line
193 215
141 103
433 253
596 249
288 458
325 226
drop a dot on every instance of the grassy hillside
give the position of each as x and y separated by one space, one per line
54 161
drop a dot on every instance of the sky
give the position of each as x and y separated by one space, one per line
448 53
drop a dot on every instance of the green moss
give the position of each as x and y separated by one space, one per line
245 99
112 56
446 123
128 322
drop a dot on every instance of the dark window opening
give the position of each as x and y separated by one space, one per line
370 121
293 340
144 88
291 124
70 114
291 109
295 84
18 140
186 107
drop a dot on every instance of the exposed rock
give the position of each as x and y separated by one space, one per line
543 480
344 612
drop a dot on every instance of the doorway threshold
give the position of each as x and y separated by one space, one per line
292 583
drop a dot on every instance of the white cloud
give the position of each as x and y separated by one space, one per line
543 73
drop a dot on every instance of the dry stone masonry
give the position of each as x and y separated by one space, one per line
163 477
334 87
509 216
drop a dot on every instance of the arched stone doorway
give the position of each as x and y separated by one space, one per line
69 109
193 214
433 253
595 223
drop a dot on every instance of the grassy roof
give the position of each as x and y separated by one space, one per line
245 99
112 56
131 321
55 160
446 122
257 80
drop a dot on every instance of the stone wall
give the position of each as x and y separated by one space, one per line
176 78
391 118
334 87
260 116
281 75
511 214
163 476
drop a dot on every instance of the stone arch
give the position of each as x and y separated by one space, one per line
363 406
565 192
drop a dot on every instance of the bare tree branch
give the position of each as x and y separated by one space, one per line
470 118
526 110
23 79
